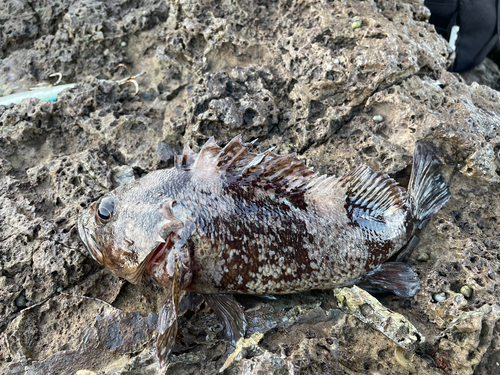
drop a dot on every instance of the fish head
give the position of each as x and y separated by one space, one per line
124 228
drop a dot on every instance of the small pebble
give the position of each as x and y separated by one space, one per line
466 291
424 257
336 61
59 289
439 297
378 118
356 25
123 44
122 175
21 300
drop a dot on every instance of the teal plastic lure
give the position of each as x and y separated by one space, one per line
47 93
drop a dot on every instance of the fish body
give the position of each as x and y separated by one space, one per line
255 239
228 221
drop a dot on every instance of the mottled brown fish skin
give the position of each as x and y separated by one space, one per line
228 221
262 224
249 240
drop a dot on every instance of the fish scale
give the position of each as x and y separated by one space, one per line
228 221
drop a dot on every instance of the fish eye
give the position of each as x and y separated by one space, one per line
105 209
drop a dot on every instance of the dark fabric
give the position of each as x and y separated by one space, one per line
478 28
443 15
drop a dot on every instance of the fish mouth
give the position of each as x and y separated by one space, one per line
158 256
89 242
131 274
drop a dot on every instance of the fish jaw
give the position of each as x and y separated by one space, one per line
112 246
84 226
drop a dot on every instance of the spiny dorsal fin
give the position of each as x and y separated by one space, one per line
322 184
235 155
208 155
287 171
236 160
374 193
185 160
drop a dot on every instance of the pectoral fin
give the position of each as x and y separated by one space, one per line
167 319
395 277
231 314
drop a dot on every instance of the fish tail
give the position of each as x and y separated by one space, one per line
428 189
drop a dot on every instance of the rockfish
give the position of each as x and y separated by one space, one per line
228 221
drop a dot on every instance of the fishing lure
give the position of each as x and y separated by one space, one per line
51 92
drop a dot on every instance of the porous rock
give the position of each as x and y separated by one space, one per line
293 74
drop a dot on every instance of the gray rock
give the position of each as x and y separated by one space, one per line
295 75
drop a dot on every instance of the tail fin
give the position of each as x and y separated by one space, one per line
428 190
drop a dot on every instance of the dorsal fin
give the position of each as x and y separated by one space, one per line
236 160
374 193
322 184
235 156
208 155
185 160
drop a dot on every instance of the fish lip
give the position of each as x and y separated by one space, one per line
88 240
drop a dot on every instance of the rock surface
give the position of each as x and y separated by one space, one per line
294 74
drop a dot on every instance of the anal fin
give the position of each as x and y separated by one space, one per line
398 278
231 314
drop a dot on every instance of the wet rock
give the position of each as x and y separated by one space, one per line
295 75
238 102
468 336
244 348
268 363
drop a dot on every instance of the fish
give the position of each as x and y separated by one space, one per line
228 221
